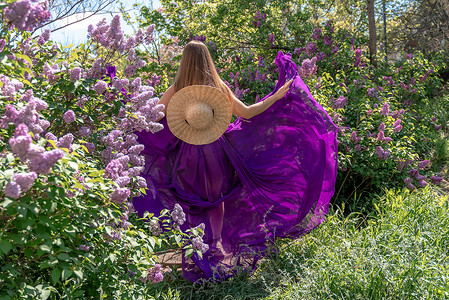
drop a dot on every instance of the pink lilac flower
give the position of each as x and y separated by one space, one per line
311 48
422 183
381 127
12 190
308 67
50 136
20 145
69 116
397 128
25 180
120 195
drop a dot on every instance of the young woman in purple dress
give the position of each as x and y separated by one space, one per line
270 175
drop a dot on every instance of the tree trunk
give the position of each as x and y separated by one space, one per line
372 32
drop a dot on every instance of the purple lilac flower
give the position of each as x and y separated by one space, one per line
340 102
381 153
2 44
100 87
155 228
355 138
198 244
380 136
436 179
84 247
43 162
358 56
318 83
123 181
120 195
321 56
424 163
12 190
113 169
372 92
20 145
381 127
408 180
84 131
311 48
385 109
65 141
25 180
69 116
413 172
409 56
178 215
308 67
397 128
271 39
154 274
75 74
335 49
90 147
141 182
422 183
26 14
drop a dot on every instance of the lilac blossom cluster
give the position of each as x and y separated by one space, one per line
340 102
415 176
381 153
198 244
259 18
358 57
178 215
26 14
155 274
308 67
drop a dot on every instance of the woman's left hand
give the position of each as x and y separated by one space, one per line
283 90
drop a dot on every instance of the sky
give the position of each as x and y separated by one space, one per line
77 33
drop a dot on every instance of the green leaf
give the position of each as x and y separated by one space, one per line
5 246
55 275
66 273
45 248
63 256
79 273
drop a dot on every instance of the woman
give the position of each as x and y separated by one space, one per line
269 177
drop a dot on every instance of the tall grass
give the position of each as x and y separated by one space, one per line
401 253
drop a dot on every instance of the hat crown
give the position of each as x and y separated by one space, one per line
199 115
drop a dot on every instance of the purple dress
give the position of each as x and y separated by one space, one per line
275 174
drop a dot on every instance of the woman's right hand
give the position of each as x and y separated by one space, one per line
280 93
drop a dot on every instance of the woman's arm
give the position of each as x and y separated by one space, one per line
247 112
165 99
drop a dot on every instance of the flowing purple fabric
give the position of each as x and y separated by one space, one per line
275 174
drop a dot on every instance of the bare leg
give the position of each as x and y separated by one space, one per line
216 222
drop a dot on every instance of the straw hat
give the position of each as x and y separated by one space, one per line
199 114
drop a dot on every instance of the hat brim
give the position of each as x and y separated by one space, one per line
179 104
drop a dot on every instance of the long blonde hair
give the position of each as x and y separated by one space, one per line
198 68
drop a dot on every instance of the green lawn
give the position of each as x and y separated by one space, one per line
401 253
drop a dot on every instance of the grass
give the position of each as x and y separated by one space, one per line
401 253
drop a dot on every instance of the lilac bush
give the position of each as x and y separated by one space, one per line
70 164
